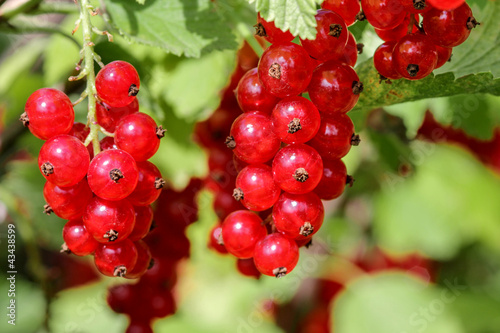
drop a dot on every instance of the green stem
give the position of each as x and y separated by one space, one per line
88 53
55 8
33 29
25 7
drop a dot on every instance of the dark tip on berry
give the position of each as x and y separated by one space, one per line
133 90
111 235
383 78
294 126
153 226
359 47
47 168
25 119
306 229
449 59
260 30
230 143
238 194
472 23
355 139
47 209
151 263
275 71
419 4
120 271
335 30
349 180
412 70
361 16
115 175
301 175
220 241
309 244
279 272
65 249
357 87
159 183
160 132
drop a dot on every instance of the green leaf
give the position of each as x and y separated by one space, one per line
189 27
294 15
450 202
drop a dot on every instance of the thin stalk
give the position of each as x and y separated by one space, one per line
25 7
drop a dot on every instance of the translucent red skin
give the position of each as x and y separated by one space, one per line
108 143
274 35
295 107
68 156
143 221
333 182
409 7
274 251
78 239
331 87
68 202
447 28
50 113
108 256
291 211
247 268
383 14
252 96
113 83
136 134
397 32
414 49
333 140
213 240
241 230
255 140
444 54
143 261
325 47
295 69
98 175
259 189
102 215
446 4
382 59
145 193
224 204
108 117
347 9
289 159
350 54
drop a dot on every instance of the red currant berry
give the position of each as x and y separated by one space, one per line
252 96
348 9
307 242
113 174
414 56
382 59
334 180
149 185
285 69
241 230
224 204
383 14
252 139
247 268
79 131
108 143
297 168
350 55
334 87
116 259
48 112
109 221
335 137
77 239
276 255
331 37
295 120
143 260
138 135
120 298
269 31
398 32
215 240
444 55
108 117
143 221
255 187
449 28
446 4
63 160
67 202
416 6
117 83
298 216
139 326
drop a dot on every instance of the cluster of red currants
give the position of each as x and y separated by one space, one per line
105 197
152 296
419 34
287 148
